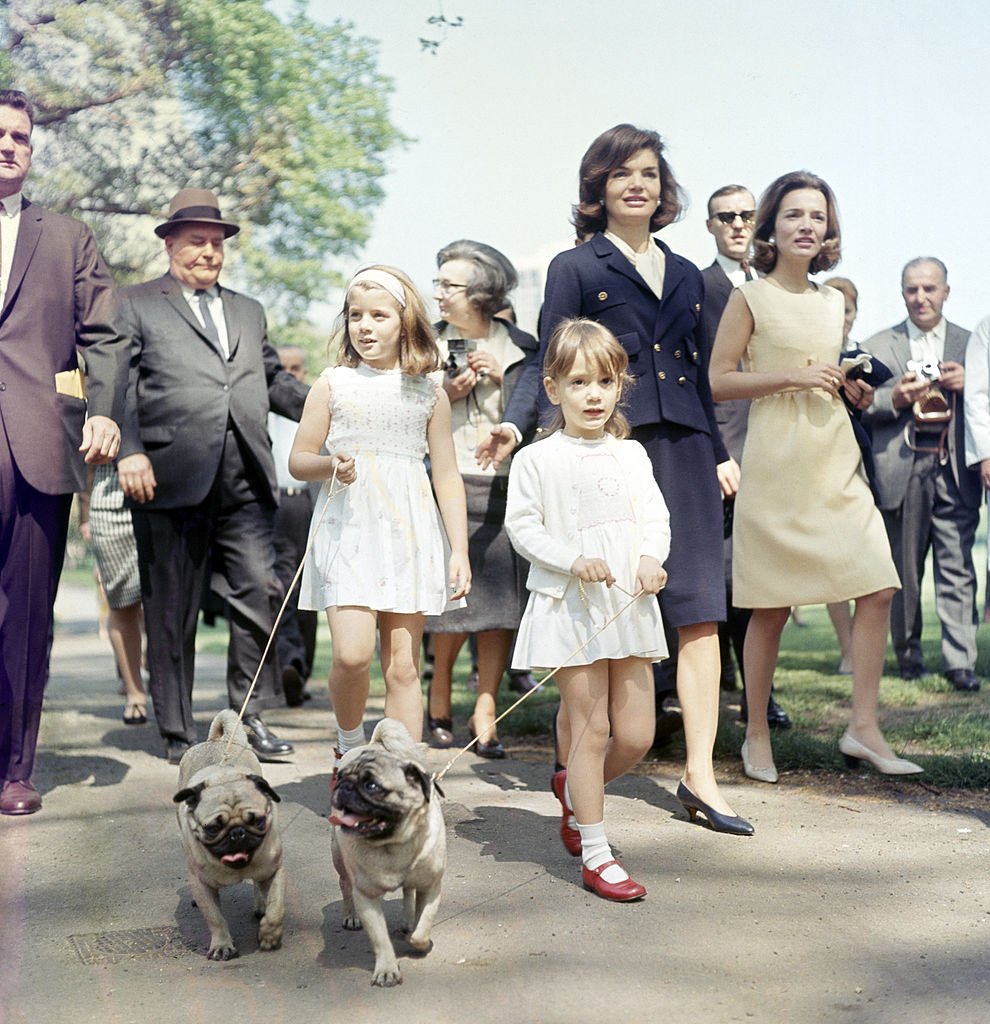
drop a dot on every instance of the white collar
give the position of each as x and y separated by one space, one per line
937 332
12 204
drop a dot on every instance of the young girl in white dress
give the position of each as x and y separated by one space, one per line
585 510
378 556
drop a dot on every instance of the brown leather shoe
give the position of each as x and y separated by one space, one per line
19 798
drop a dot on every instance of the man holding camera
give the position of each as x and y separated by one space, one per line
928 498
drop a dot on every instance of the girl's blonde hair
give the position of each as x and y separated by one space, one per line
418 351
601 351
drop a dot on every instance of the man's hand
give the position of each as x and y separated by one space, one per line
908 390
953 376
499 445
137 478
100 440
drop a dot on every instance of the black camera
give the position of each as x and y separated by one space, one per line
457 355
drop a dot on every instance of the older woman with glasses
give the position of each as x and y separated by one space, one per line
483 357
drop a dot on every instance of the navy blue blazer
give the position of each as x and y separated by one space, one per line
667 349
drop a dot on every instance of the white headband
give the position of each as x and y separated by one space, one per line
374 275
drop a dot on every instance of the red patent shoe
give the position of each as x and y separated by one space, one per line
619 892
569 835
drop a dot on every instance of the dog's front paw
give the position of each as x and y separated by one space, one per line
419 946
352 923
269 934
387 974
222 951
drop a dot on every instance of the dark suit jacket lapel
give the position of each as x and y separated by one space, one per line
614 260
674 275
172 291
28 233
955 344
232 319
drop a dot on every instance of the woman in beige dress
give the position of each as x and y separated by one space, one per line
806 530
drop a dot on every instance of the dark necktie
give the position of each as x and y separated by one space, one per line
209 326
744 266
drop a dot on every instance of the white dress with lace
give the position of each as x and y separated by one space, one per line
380 543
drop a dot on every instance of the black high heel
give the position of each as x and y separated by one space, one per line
491 749
441 730
733 825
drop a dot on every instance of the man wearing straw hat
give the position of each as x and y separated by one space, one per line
196 465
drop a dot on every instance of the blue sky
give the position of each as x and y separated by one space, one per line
886 100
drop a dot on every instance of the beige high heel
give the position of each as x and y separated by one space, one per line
854 752
759 774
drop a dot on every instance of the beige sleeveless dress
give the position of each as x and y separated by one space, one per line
806 529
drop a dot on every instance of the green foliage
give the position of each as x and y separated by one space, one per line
287 121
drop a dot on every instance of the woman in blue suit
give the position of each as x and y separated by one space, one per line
650 299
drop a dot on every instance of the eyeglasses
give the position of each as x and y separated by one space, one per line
447 287
729 216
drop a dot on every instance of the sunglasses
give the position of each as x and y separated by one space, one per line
728 216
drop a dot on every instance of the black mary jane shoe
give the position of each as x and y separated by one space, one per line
492 749
263 741
731 824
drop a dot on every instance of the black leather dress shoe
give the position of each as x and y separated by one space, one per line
19 797
293 686
263 741
963 679
913 671
777 717
175 748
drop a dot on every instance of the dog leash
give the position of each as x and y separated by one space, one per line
438 776
278 618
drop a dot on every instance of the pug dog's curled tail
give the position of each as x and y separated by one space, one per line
227 725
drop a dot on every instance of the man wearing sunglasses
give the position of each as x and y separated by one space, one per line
731 218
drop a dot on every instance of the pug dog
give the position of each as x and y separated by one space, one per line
227 820
388 832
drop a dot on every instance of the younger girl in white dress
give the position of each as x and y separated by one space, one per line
585 510
378 551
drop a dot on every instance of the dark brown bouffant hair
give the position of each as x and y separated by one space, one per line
764 249
601 351
611 150
418 351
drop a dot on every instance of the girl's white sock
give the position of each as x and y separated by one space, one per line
595 851
348 739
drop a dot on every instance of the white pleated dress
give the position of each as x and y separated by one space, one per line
380 542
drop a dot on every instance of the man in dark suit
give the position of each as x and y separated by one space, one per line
929 499
56 303
197 465
731 213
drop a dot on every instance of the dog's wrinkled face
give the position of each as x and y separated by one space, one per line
376 792
230 819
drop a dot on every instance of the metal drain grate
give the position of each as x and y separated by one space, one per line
144 943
